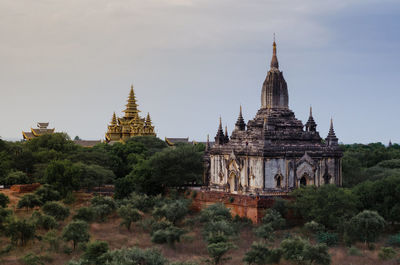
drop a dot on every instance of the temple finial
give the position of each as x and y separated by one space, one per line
310 111
274 61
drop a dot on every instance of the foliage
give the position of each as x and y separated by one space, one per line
32 259
63 175
129 215
215 212
56 209
168 235
213 228
16 177
301 251
94 175
328 205
274 218
129 256
314 227
5 215
365 226
218 250
86 214
20 231
265 231
330 239
394 240
4 200
46 222
260 254
103 207
52 239
94 250
124 187
29 201
387 253
76 231
354 251
281 206
47 193
173 211
172 167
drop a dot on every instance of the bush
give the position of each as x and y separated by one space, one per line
32 259
16 177
264 231
281 206
76 231
129 256
168 235
4 200
20 231
387 253
129 215
94 250
56 210
215 212
29 201
103 207
314 227
69 198
353 251
218 250
214 227
365 226
44 221
47 193
274 218
330 239
173 211
52 239
86 214
260 254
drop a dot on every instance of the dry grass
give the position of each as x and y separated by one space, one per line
192 247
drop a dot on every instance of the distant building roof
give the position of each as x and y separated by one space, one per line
87 143
40 130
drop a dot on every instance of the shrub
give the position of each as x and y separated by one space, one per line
260 254
44 221
86 214
365 226
173 211
314 227
160 225
69 198
265 231
32 259
52 239
353 251
168 235
215 227
16 177
128 256
47 193
194 194
129 215
281 206
330 239
29 201
20 231
56 210
103 207
218 250
274 218
5 215
387 253
4 200
94 250
215 212
76 231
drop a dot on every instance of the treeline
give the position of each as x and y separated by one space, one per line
142 164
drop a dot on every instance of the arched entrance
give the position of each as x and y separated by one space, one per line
233 182
327 179
303 181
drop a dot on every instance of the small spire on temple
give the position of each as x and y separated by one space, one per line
226 134
208 142
220 137
311 125
331 139
310 111
274 61
114 119
148 120
240 125
131 107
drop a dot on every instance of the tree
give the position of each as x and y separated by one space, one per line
76 231
175 167
86 214
265 231
4 200
29 201
103 207
124 187
168 235
94 250
63 176
94 175
215 212
129 256
274 218
260 254
16 177
173 211
366 226
56 210
328 205
47 193
129 215
213 228
301 251
218 250
44 221
5 215
20 231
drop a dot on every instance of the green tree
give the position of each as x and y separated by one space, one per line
260 254
16 177
76 231
47 193
366 226
129 256
63 176
274 218
4 200
129 215
169 235
218 250
103 207
301 251
29 201
86 214
265 231
20 231
215 212
94 250
56 209
328 205
5 215
46 222
173 211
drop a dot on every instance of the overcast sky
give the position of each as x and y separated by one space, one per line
72 63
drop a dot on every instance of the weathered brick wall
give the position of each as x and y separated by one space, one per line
25 187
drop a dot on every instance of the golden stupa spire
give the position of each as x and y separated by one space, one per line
114 119
131 110
148 120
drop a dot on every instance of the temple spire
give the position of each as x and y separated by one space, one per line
114 119
226 134
240 125
311 126
148 120
220 137
331 139
131 107
274 60
208 142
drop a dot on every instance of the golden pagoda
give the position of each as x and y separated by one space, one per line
131 124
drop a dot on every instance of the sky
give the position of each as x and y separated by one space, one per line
71 63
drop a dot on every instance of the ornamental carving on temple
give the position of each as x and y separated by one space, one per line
131 124
273 153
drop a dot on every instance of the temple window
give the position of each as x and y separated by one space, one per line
303 181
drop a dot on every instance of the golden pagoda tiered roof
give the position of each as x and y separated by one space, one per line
131 124
36 132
